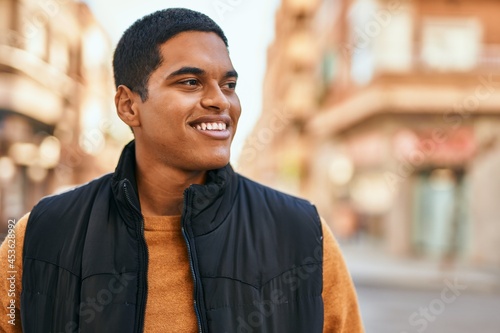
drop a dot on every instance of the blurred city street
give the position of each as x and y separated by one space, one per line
416 296
389 310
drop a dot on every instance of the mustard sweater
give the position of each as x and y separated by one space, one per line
169 305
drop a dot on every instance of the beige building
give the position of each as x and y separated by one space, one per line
56 95
387 115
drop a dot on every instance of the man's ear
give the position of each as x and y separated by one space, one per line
126 102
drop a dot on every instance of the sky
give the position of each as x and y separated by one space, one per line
248 25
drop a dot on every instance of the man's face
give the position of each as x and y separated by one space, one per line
190 116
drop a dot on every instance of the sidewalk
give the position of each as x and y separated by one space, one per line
370 267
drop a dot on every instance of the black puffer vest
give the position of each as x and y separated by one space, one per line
255 254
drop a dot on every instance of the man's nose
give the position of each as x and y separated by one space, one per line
215 99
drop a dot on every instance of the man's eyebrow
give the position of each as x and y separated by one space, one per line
232 73
198 71
187 70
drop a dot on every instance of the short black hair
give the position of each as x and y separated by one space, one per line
137 54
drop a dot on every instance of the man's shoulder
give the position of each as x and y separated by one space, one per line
294 218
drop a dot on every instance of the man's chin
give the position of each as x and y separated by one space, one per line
216 165
211 163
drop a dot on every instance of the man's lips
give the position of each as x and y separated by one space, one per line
214 126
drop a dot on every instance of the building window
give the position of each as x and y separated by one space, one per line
362 34
329 68
451 44
440 216
394 45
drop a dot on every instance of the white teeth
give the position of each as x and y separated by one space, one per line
211 126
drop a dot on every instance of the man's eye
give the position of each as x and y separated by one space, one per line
231 85
191 82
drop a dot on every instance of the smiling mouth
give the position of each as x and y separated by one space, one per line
212 126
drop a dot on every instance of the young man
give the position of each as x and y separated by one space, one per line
174 240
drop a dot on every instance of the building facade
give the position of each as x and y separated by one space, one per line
56 94
387 115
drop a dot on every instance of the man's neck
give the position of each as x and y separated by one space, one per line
161 188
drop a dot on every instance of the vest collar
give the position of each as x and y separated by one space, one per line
209 203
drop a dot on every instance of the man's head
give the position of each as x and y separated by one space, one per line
137 54
178 90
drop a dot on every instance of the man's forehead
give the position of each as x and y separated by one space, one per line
194 39
195 49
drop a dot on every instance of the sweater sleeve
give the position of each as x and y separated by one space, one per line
11 252
342 313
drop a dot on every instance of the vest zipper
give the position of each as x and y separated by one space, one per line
191 261
144 254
